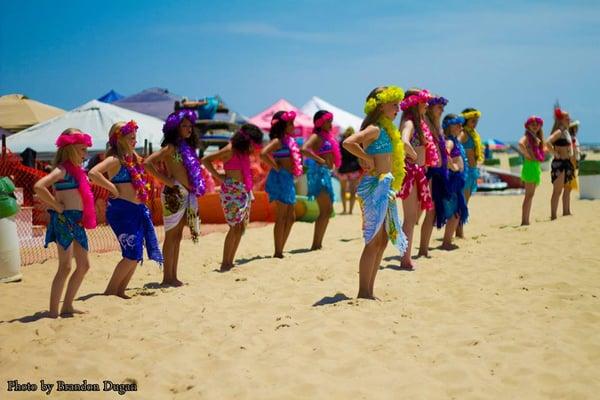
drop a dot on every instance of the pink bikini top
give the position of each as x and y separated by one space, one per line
240 162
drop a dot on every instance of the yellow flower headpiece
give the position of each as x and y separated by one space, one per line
392 94
471 114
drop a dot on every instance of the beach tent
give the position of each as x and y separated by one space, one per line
303 122
341 118
157 102
5 132
18 112
111 97
95 118
495 144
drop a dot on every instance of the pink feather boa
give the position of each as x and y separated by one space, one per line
85 191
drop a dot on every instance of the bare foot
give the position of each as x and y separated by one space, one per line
226 267
567 214
313 248
276 255
51 314
69 312
448 246
423 254
524 223
176 282
123 296
407 265
367 296
552 218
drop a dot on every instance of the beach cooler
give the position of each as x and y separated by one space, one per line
516 164
10 257
492 162
589 179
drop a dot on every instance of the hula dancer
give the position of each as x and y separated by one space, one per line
322 154
379 146
531 146
126 212
72 212
283 155
236 185
183 184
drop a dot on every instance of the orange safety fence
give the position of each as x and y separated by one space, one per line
32 218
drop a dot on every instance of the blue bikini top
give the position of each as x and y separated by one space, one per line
283 152
122 176
382 144
469 144
67 183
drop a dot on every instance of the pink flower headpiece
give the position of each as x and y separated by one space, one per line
73 138
126 129
532 119
558 113
323 119
288 116
422 96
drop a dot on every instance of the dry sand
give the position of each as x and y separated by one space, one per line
514 313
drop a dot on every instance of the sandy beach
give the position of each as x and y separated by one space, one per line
513 313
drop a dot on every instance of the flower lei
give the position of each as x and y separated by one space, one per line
437 100
397 152
392 94
85 191
126 129
192 167
538 150
431 154
534 118
138 180
478 148
294 154
422 96
327 136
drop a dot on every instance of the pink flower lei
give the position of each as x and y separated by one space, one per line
85 191
432 158
295 154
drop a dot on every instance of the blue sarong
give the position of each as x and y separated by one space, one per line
439 192
456 205
66 227
378 205
132 225
319 178
471 175
280 186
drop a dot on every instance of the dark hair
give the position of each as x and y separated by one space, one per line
245 136
374 116
467 110
278 128
171 136
413 114
318 115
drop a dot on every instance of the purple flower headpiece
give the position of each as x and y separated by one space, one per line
437 100
176 118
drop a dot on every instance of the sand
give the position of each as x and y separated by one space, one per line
513 313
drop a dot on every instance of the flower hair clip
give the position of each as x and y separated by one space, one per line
437 100
288 116
323 119
128 128
532 119
422 97
176 118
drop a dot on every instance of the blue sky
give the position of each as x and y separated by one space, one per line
508 59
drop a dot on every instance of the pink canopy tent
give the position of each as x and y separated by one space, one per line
303 122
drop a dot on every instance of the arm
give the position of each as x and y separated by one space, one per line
41 189
524 149
551 139
161 155
193 104
452 164
265 153
407 132
353 145
96 174
224 154
307 149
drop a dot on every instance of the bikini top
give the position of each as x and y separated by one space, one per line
283 152
564 140
236 162
326 147
469 144
415 140
67 183
381 145
455 152
122 176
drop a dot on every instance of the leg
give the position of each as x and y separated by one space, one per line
82 264
383 241
459 229
179 236
325 208
58 283
119 275
232 241
279 228
557 188
353 187
410 207
345 184
566 200
529 192
171 252
451 226
426 231
290 218
123 285
367 261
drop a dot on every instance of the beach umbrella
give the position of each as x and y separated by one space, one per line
157 102
110 97
496 144
18 112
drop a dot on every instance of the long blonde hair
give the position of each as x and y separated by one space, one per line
66 153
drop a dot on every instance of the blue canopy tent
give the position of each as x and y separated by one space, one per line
111 97
157 102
